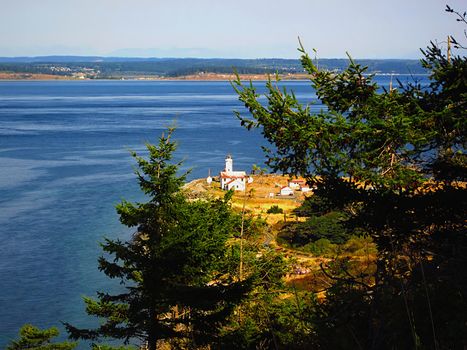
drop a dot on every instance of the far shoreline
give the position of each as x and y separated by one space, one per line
193 77
6 77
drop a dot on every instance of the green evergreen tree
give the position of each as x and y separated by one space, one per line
35 339
394 162
173 269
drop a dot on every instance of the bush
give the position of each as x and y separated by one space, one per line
275 209
329 226
356 245
320 247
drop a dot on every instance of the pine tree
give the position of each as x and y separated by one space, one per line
394 162
35 339
172 269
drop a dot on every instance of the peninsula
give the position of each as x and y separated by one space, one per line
84 68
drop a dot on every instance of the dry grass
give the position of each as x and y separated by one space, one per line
257 197
257 201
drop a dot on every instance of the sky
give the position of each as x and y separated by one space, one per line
225 29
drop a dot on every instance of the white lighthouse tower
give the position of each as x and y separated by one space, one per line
228 164
232 180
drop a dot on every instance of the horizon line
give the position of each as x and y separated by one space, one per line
200 58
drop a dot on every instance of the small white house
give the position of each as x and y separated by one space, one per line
232 180
235 184
286 191
297 184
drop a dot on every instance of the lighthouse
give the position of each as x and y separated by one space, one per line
230 179
228 164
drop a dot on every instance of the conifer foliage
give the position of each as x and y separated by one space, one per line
172 270
34 338
394 162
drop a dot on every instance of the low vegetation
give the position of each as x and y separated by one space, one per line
275 209
31 337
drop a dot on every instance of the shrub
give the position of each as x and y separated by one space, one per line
275 209
357 245
321 247
329 226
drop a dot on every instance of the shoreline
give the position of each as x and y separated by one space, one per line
193 77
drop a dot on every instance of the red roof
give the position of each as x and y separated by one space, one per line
225 175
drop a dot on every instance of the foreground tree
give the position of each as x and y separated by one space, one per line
394 163
35 339
173 269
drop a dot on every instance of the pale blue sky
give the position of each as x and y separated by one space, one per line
219 28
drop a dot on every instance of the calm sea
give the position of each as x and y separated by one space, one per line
65 164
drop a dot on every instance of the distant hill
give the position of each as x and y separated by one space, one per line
73 59
117 67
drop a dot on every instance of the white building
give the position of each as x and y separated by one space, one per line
286 191
232 180
296 184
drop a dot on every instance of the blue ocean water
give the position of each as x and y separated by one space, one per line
65 164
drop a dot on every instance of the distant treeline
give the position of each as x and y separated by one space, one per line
101 67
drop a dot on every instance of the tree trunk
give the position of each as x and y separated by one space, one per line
152 331
152 340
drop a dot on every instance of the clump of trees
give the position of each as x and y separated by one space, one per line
394 163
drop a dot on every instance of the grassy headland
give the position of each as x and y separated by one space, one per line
305 263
